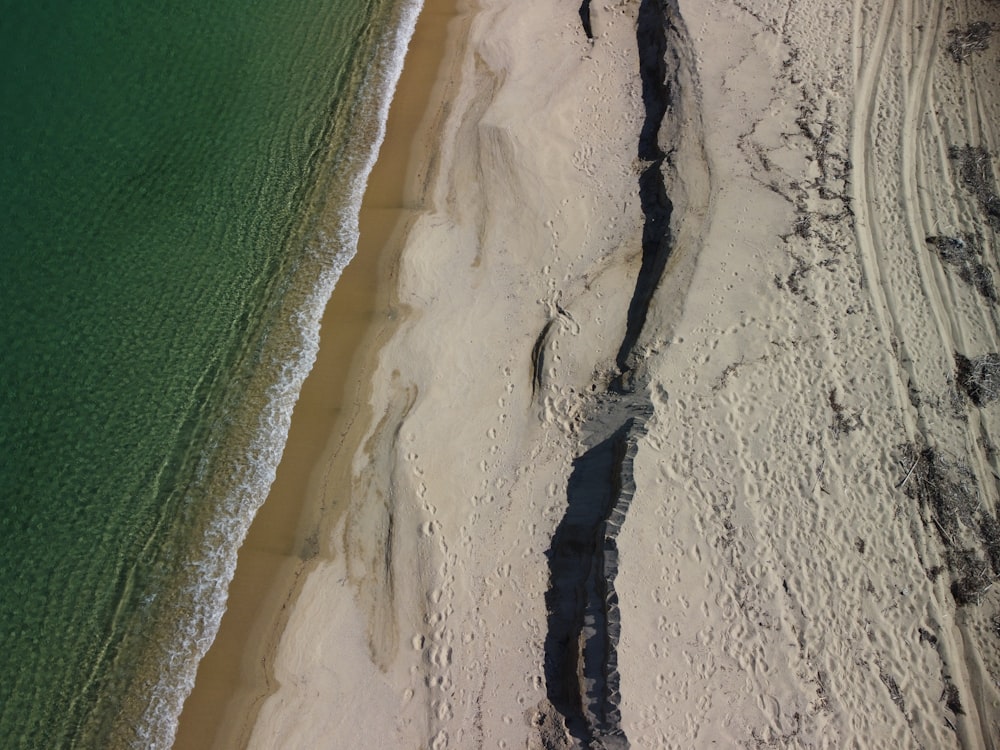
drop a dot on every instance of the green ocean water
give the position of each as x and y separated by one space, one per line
178 191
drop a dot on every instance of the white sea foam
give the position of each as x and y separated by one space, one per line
214 564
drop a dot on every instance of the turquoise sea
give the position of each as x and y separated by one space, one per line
179 187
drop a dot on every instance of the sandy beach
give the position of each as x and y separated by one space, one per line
667 415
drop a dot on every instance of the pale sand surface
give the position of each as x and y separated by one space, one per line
758 510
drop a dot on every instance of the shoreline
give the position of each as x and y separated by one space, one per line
234 677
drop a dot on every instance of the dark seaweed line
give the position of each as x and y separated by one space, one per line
584 621
610 528
651 40
584 616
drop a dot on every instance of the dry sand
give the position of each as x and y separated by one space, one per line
683 433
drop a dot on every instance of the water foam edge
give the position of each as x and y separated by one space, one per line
216 554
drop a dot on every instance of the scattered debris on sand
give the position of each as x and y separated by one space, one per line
973 38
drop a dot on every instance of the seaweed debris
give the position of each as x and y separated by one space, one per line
976 172
973 38
893 687
979 377
964 254
971 576
952 701
948 497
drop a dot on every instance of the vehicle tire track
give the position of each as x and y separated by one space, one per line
867 65
948 306
915 105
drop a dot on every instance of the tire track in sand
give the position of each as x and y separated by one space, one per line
867 65
954 324
915 95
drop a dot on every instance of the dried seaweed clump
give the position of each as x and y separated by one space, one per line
946 490
951 699
976 172
971 576
844 421
964 254
979 377
893 687
989 532
948 496
974 38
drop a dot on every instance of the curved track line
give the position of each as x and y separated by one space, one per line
937 220
915 104
952 331
867 65
981 125
940 220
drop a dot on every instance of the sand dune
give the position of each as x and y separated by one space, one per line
683 432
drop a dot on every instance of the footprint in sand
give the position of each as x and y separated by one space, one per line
443 711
